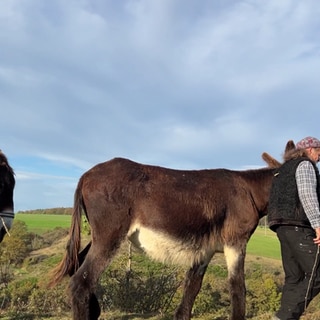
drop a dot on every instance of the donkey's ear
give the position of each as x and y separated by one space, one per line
290 146
271 162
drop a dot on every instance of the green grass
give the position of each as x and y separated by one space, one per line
40 223
264 242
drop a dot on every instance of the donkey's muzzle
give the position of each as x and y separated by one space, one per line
6 220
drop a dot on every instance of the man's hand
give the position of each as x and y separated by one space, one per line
316 240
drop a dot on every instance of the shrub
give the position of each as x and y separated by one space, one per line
48 302
17 246
52 236
6 274
263 292
209 300
19 292
138 292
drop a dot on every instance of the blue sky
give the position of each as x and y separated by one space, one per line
179 83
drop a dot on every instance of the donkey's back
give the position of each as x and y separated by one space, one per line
185 205
179 216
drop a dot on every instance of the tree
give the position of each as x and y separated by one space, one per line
16 246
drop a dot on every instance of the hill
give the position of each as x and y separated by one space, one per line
24 293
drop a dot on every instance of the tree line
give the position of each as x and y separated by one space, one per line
62 211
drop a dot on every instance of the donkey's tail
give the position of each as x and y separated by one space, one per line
70 261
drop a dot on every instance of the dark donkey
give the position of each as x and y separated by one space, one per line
7 183
174 216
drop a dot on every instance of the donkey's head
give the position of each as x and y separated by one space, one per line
7 183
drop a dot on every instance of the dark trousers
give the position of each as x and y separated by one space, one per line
300 260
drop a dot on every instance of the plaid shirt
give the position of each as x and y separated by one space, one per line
307 190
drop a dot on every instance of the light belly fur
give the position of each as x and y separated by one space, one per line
164 248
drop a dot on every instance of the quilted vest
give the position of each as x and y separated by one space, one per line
284 205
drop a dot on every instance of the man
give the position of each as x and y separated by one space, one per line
294 214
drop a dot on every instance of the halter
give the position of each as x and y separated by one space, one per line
6 215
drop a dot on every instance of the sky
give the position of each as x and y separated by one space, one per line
184 84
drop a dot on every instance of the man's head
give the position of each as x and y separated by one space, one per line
312 147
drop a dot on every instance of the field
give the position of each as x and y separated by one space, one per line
263 242
40 223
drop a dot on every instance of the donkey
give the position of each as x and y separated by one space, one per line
176 216
7 184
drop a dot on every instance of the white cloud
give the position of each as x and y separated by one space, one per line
40 191
175 83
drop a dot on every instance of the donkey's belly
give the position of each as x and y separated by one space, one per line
163 247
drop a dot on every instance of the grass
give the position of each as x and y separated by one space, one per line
40 223
264 242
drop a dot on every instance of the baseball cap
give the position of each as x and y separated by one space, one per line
308 142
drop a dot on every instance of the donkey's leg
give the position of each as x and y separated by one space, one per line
192 286
81 257
82 285
235 262
84 303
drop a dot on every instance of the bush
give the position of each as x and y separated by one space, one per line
137 292
6 274
263 292
48 302
213 297
48 238
19 292
209 300
16 247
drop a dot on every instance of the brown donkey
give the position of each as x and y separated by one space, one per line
174 216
